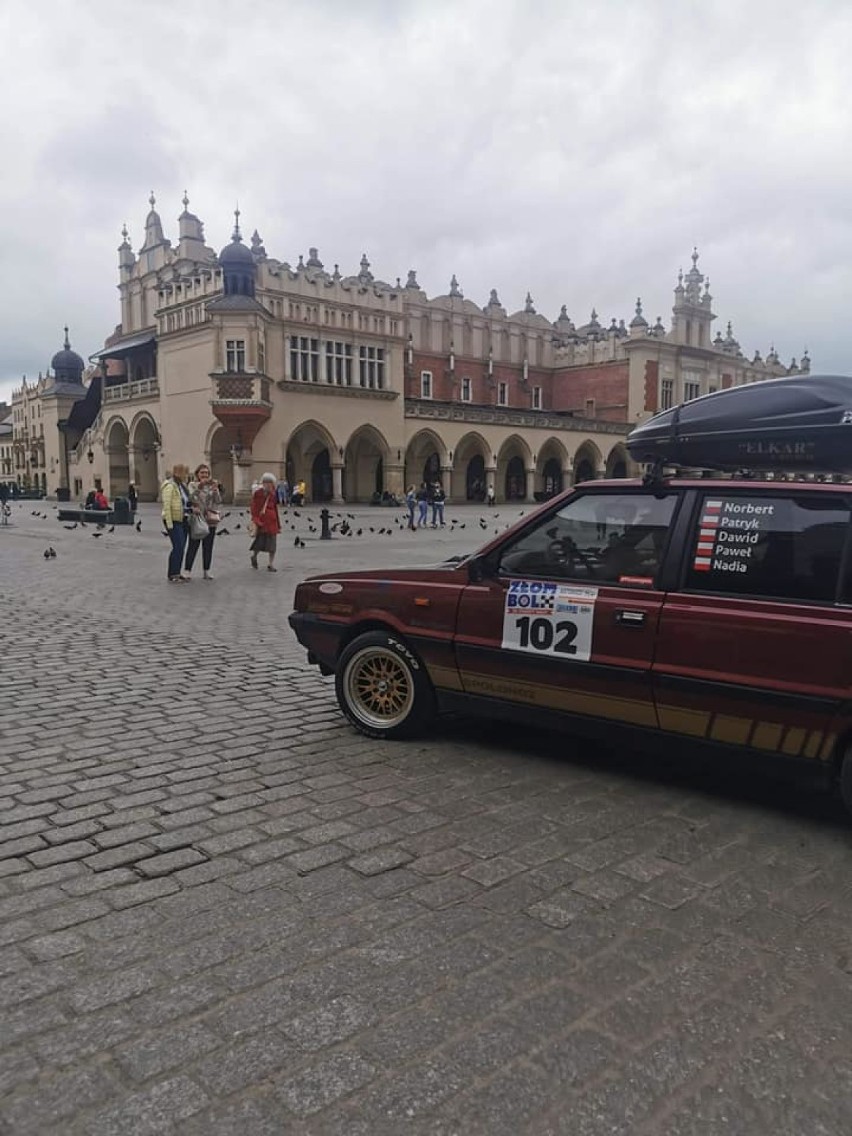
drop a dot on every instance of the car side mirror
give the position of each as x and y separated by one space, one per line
478 569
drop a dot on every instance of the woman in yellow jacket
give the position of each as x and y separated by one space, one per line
175 498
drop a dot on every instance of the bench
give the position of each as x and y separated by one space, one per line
96 516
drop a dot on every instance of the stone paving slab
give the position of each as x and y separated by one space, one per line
223 911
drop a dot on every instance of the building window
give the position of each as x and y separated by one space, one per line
502 394
304 359
425 384
691 390
261 357
536 398
371 367
466 390
589 409
338 364
235 354
666 394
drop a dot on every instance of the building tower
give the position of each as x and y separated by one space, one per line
692 313
237 264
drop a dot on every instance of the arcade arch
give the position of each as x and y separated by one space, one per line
366 460
221 461
425 456
117 441
310 454
144 444
617 462
551 462
513 461
587 462
471 461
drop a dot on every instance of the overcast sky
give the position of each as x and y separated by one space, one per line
575 150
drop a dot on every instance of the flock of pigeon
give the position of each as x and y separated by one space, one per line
291 519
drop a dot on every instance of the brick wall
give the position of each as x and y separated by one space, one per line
606 383
652 386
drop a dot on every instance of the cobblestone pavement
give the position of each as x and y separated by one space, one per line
223 911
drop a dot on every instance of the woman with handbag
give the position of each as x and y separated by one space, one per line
175 497
265 520
205 501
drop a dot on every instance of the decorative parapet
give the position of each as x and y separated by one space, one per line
333 389
125 392
505 416
243 390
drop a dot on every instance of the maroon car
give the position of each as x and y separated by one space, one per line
711 610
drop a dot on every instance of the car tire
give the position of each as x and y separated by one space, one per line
382 687
845 779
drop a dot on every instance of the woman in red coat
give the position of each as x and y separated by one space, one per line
264 515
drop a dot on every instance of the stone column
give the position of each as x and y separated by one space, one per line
491 482
530 493
394 475
242 478
337 484
567 475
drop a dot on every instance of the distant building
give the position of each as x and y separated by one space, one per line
361 387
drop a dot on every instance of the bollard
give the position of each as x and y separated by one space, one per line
325 516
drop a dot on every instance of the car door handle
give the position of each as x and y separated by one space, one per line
626 618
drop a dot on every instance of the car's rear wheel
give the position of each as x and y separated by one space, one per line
382 687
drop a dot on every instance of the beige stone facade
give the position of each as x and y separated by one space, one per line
357 386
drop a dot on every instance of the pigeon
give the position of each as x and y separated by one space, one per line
97 534
139 526
82 524
222 532
70 527
296 543
296 513
52 552
224 515
111 528
47 554
359 532
237 525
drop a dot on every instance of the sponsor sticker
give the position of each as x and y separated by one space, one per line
549 619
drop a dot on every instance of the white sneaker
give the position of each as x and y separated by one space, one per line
207 576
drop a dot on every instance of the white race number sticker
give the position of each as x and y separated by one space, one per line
549 619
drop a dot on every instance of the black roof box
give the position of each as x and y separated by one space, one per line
802 422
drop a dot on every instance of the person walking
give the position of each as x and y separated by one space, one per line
205 500
175 497
438 499
267 522
411 504
132 497
422 505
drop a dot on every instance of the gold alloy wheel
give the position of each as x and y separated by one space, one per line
379 687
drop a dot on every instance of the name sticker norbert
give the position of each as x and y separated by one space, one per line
549 619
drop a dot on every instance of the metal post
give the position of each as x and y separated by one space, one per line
325 517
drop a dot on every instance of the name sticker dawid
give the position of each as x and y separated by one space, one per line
549 619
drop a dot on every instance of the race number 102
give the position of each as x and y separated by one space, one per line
543 635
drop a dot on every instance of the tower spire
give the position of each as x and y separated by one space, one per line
236 235
67 343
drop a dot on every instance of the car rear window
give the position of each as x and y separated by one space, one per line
775 546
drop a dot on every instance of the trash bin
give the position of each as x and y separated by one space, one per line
121 514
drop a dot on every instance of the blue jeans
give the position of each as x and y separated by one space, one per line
423 507
437 513
177 535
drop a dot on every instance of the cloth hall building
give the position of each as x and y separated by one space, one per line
357 386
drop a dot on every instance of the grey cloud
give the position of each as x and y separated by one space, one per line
575 151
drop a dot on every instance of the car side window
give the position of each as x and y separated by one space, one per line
597 537
775 546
